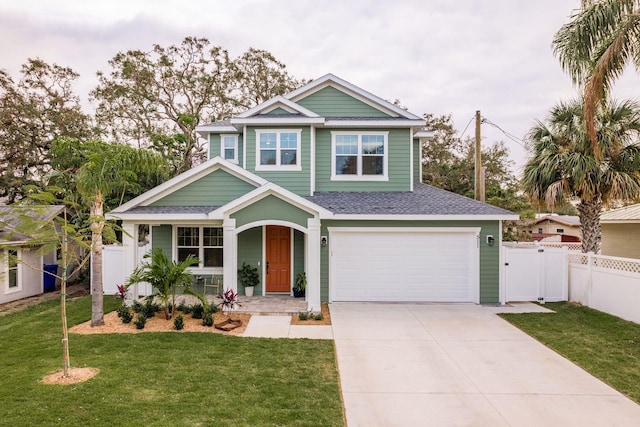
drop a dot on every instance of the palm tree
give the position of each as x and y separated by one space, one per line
594 48
111 171
563 165
165 276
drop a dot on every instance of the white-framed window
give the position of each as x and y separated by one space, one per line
560 230
12 271
204 243
229 147
278 149
359 156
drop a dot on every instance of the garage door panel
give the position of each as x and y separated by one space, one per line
402 266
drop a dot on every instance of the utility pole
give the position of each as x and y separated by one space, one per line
478 193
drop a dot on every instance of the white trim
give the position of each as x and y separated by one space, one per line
275 120
382 123
235 146
264 258
188 177
276 102
312 160
355 91
158 218
244 147
206 129
359 176
411 159
264 222
291 261
474 262
426 217
278 148
421 133
502 289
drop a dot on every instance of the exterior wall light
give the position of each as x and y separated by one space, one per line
490 240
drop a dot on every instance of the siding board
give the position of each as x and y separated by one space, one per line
331 102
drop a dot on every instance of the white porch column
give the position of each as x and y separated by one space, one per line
312 263
230 255
130 245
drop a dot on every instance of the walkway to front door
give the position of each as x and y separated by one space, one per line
278 259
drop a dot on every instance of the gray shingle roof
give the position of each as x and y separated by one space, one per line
424 200
173 209
12 217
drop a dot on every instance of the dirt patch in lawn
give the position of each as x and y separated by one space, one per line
113 325
74 376
326 317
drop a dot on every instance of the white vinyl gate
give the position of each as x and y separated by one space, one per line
536 274
112 272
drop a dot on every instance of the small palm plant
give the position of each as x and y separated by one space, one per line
165 276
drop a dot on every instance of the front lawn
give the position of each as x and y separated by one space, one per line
604 345
190 379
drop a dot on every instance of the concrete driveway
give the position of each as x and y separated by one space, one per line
460 365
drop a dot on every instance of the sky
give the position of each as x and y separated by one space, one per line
435 56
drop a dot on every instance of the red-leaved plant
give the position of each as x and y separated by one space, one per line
229 300
122 292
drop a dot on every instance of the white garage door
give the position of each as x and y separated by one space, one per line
403 264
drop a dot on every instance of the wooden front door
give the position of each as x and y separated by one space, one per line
278 258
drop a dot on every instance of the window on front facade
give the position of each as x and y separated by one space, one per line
204 243
559 230
359 155
278 149
229 147
539 230
10 269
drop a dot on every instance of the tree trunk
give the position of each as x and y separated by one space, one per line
97 224
590 224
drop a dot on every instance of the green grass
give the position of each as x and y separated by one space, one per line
604 345
182 379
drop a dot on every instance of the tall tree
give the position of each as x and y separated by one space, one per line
448 163
108 174
156 99
36 110
595 47
563 163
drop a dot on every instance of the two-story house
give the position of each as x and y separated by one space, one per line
325 180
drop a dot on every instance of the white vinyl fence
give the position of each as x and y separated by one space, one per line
112 272
535 273
609 284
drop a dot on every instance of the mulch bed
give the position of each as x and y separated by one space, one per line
326 317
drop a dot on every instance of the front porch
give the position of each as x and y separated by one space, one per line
269 305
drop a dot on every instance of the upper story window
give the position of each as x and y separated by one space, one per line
359 156
278 149
229 147
204 243
560 230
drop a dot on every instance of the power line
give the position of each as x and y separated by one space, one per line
507 134
466 127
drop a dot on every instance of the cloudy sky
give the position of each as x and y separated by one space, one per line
436 56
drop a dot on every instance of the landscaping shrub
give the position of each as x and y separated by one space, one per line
303 315
125 314
137 307
140 321
213 309
318 316
150 308
207 320
178 323
197 311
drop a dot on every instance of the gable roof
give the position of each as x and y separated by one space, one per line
570 220
425 200
12 217
353 90
627 214
186 178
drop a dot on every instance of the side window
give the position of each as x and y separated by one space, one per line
359 156
229 147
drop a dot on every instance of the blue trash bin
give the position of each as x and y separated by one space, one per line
49 278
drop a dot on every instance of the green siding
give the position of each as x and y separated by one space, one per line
214 189
161 238
298 253
250 251
331 102
271 208
417 156
295 181
214 146
489 255
399 156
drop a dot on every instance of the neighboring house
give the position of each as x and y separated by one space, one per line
620 232
20 261
325 180
565 228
